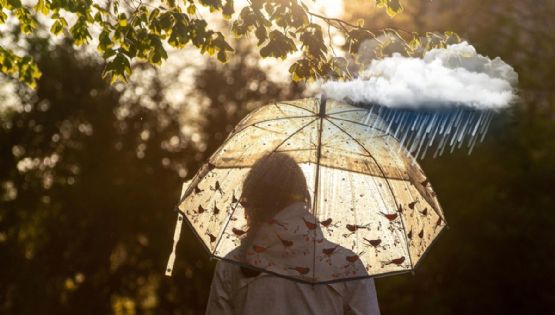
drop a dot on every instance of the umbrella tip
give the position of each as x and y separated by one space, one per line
323 100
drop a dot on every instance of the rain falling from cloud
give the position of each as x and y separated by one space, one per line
440 100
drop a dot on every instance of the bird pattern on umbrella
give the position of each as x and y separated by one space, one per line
376 212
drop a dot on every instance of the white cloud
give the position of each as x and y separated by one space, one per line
453 76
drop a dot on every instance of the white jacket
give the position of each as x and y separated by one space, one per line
233 293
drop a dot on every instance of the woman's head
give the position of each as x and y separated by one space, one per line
274 182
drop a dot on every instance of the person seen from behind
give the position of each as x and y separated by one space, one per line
275 190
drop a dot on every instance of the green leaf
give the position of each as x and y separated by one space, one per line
393 7
300 70
104 41
261 34
42 7
24 68
279 46
122 19
214 5
154 14
80 32
27 23
355 38
3 17
165 21
228 9
157 52
118 68
179 35
56 28
313 42
108 53
98 18
100 9
415 42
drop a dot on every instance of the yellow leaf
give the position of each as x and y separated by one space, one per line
415 43
360 22
192 9
211 50
393 7
42 7
393 12
56 28
122 20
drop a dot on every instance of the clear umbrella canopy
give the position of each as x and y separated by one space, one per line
371 212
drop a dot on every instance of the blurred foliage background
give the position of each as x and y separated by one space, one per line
90 174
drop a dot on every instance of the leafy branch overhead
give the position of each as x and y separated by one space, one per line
129 30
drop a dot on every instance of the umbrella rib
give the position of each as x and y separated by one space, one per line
384 135
388 185
189 189
227 174
234 133
292 134
279 108
350 110
282 112
323 164
222 231
192 228
426 251
362 146
270 120
316 186
266 129
297 106
438 212
295 150
233 211
356 123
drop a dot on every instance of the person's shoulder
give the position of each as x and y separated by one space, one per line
228 264
364 285
224 265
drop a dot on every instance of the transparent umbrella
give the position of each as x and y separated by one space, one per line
372 211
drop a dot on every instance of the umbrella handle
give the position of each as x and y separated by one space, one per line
176 235
177 232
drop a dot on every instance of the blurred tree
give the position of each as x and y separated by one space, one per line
89 178
81 230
